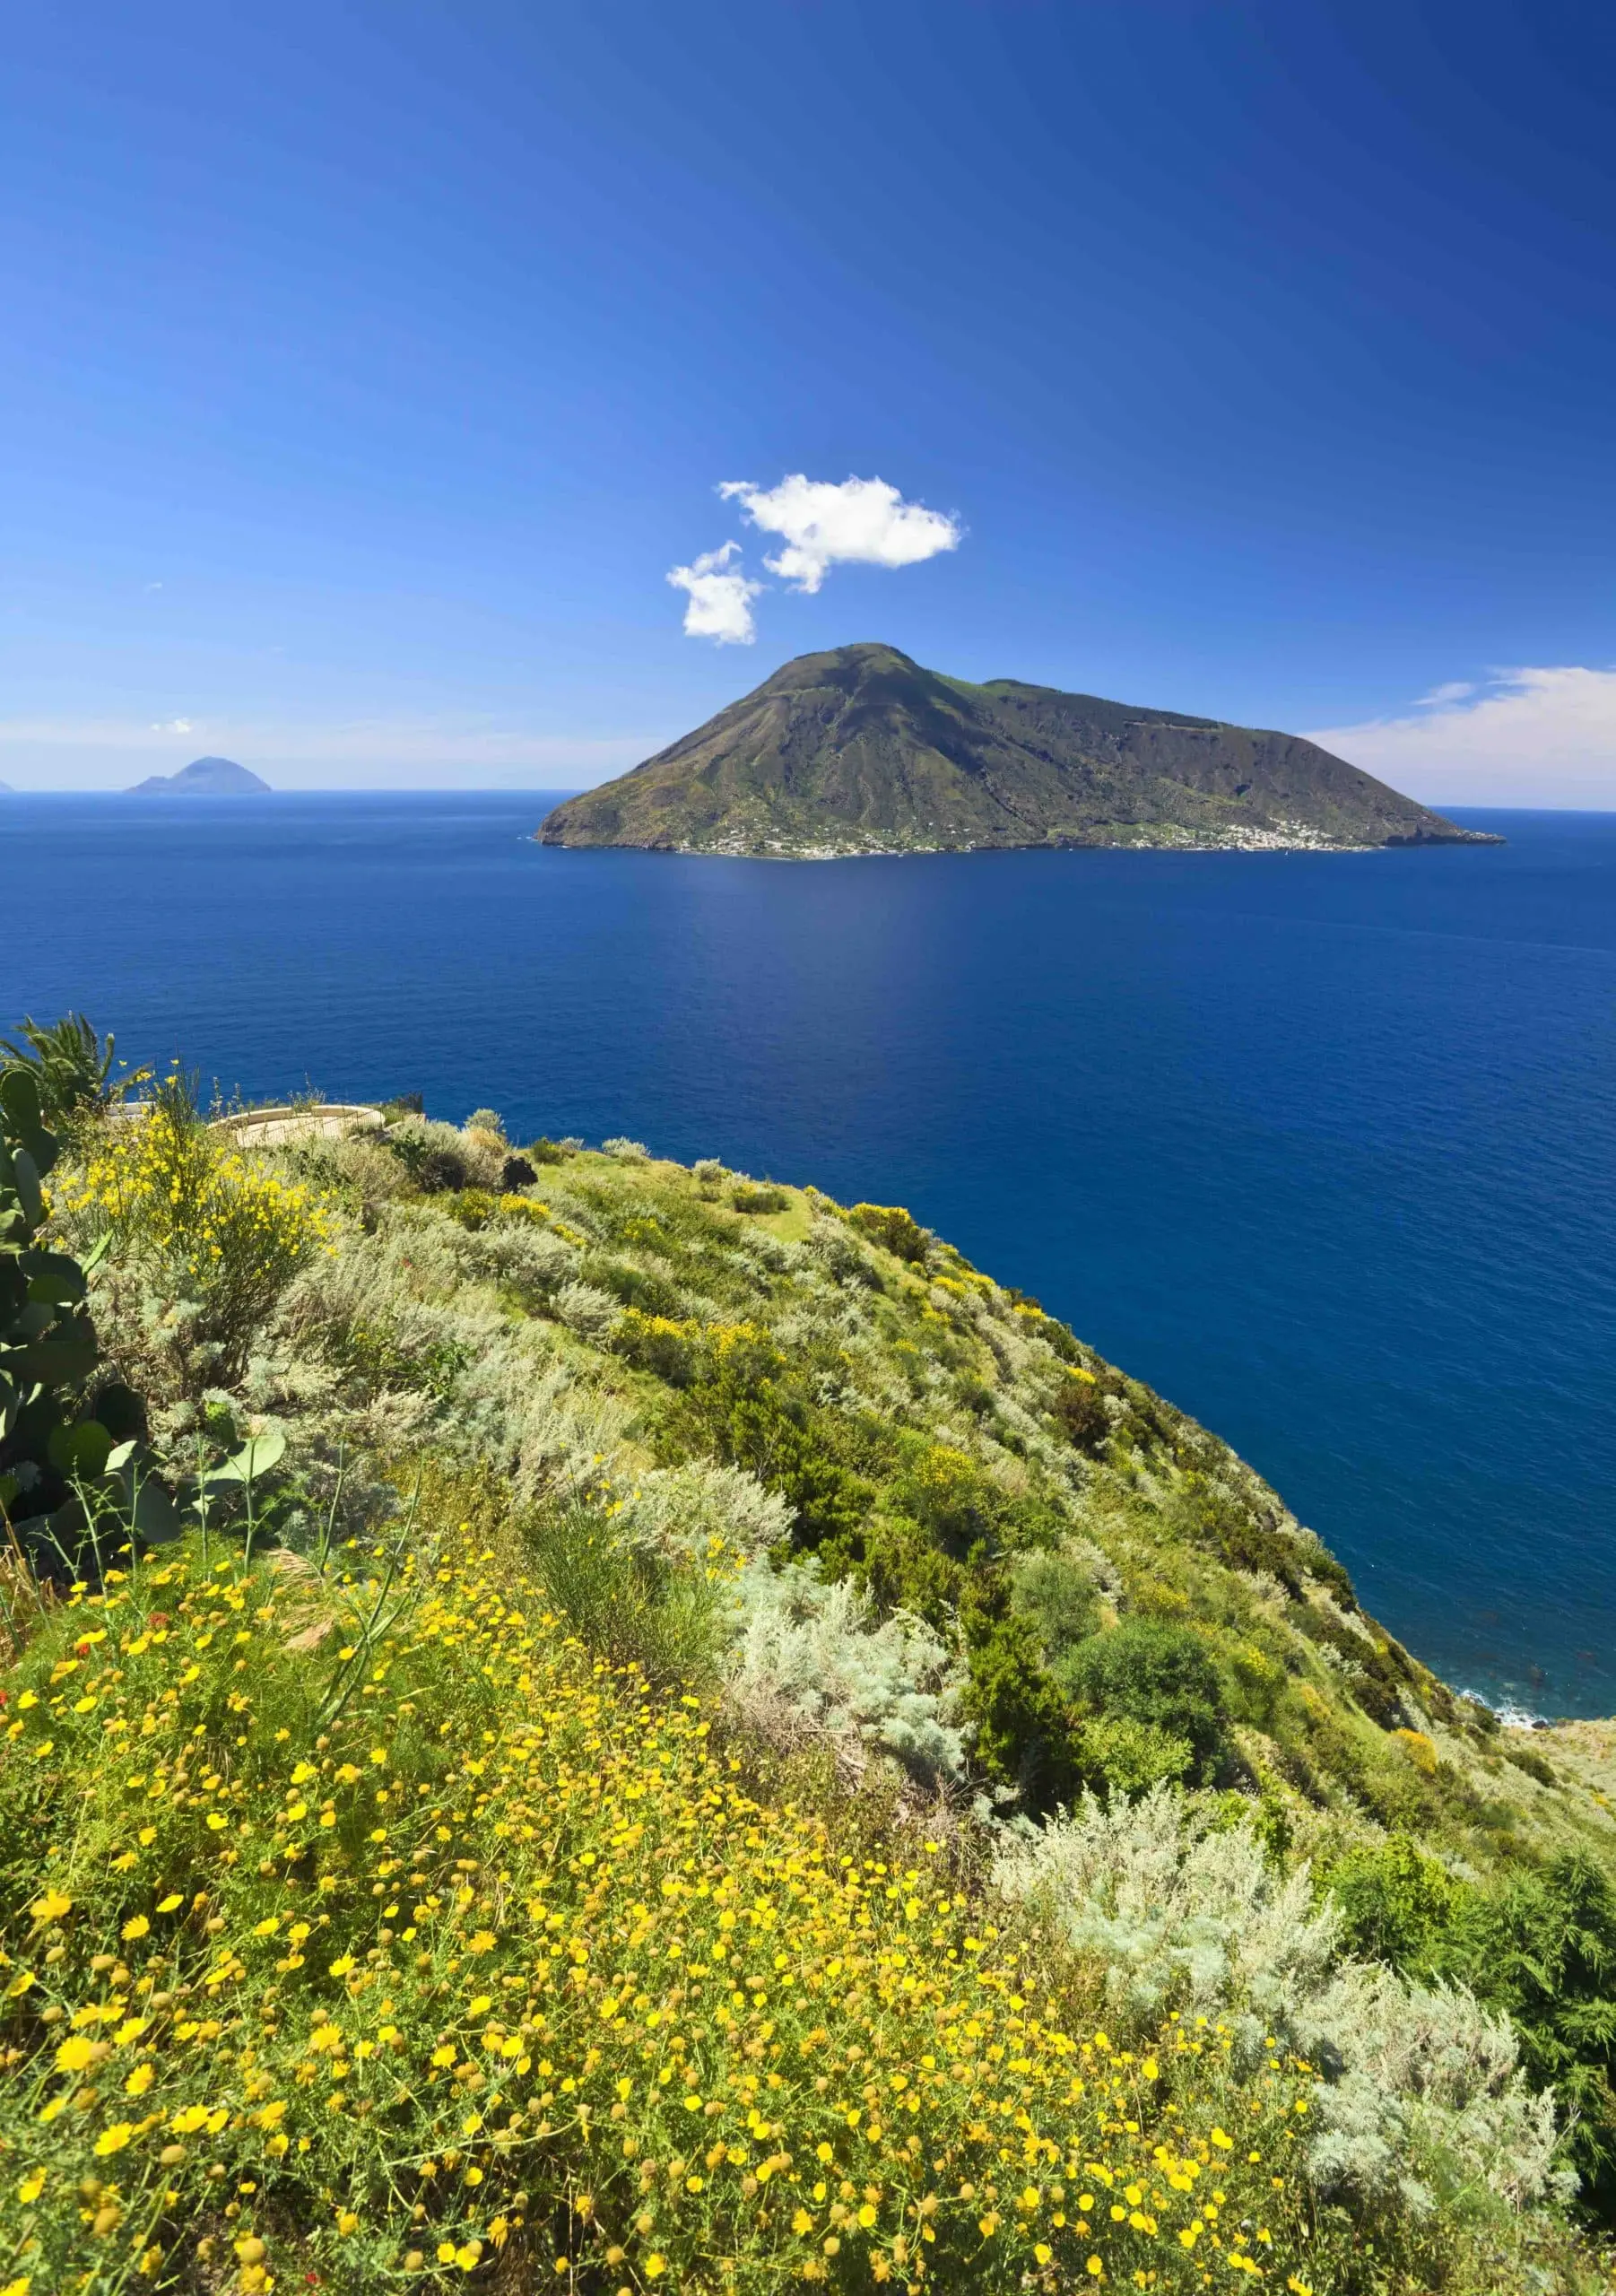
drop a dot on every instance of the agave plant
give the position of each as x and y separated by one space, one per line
71 1066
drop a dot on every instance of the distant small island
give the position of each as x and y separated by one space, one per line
860 751
205 777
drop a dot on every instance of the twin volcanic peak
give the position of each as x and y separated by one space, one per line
860 751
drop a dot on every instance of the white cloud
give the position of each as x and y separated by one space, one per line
1528 737
173 726
720 597
862 522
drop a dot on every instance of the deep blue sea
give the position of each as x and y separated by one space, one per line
1322 1146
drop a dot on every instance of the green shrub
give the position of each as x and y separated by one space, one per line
1154 1672
947 1491
1059 1595
1252 1539
439 1160
631 1604
1257 1686
1532 1763
895 1230
749 1196
659 1344
1378 1669
434 1162
842 1258
642 1288
904 1569
216 1227
1130 1757
1080 1413
1543 1947
1396 1904
1023 1735
744 1408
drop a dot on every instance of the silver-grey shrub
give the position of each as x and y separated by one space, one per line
683 1508
1172 1906
589 1311
421 1142
355 1165
453 1366
520 1408
400 1281
813 1645
1423 2094
1428 2097
528 1261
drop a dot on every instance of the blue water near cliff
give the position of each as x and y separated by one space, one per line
1322 1146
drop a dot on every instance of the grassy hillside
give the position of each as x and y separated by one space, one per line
860 751
664 1731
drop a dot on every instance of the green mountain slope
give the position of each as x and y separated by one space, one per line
862 751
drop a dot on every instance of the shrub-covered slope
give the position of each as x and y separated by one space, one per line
675 1732
1121 1598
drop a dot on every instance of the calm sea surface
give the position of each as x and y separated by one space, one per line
1322 1146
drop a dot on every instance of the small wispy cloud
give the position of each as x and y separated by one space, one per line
153 586
1533 736
720 596
856 522
173 726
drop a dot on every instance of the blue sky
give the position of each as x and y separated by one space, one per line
368 367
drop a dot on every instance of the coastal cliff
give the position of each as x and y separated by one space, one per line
693 1702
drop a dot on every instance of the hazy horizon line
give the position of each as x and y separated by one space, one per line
190 799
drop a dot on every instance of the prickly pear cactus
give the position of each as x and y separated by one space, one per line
64 1453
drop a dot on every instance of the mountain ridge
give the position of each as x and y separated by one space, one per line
861 750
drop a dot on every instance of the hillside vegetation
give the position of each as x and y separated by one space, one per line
863 751
601 1725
